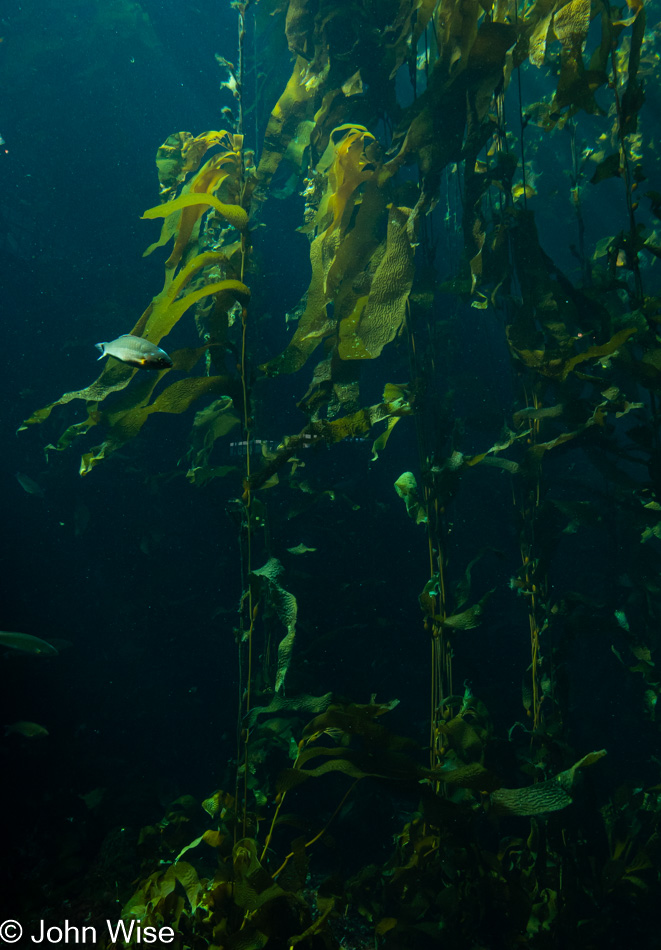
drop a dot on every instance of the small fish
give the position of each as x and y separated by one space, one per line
29 485
30 729
136 352
26 643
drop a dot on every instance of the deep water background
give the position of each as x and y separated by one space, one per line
143 702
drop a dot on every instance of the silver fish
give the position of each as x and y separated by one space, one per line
26 643
136 352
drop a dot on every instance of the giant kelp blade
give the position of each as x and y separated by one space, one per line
177 398
383 313
234 214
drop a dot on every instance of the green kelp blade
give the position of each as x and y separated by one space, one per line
291 778
537 799
73 432
176 399
285 606
114 377
210 424
187 877
406 487
598 350
297 705
397 402
551 795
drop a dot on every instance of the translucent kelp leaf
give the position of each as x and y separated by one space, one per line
599 350
285 606
325 907
544 412
27 643
602 247
551 795
467 619
406 487
187 877
538 38
534 800
314 323
298 704
344 246
331 431
180 154
610 167
189 847
466 738
218 803
572 21
234 214
177 398
292 778
210 424
380 319
245 859
384 925
474 776
114 377
182 214
170 160
294 106
380 443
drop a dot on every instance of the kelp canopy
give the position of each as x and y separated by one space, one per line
418 135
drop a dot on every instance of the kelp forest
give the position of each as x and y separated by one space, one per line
466 197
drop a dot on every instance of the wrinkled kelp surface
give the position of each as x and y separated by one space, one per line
406 531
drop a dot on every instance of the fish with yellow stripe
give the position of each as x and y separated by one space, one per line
136 351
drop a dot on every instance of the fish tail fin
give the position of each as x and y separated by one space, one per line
102 347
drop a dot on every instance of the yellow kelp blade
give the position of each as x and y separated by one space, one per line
294 106
367 331
234 214
336 264
163 312
183 214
